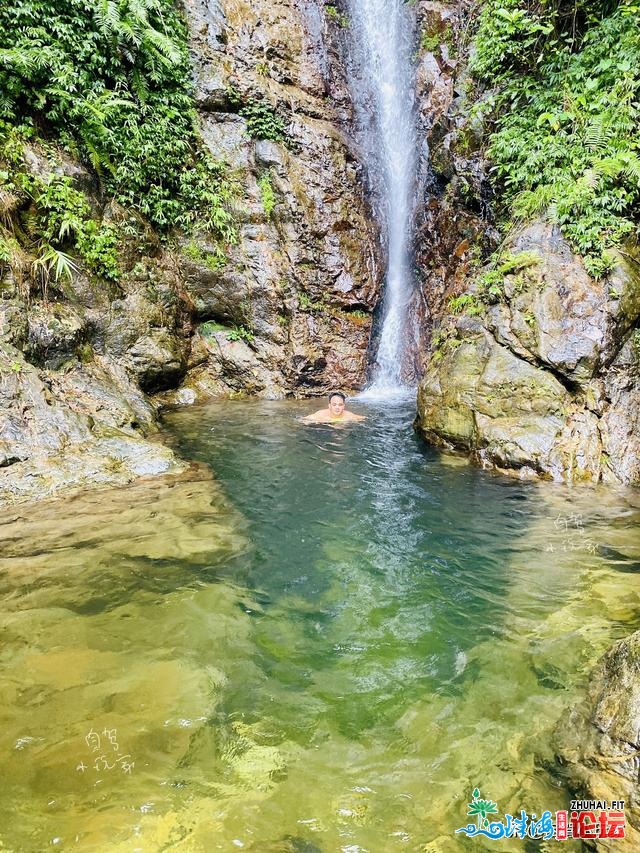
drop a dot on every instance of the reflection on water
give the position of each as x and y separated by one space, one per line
326 649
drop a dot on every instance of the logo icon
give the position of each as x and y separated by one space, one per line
586 819
481 808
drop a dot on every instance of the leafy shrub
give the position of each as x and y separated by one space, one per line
52 216
240 333
112 80
267 194
262 121
564 116
466 302
65 219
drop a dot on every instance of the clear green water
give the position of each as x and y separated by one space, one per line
324 649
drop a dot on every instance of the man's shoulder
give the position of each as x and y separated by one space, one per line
317 417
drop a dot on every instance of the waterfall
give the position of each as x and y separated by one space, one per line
381 43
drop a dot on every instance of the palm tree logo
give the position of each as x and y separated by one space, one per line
481 808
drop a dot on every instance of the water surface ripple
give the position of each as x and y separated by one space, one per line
325 649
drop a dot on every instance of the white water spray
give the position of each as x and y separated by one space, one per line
383 92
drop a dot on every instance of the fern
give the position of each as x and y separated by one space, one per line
564 116
52 264
112 78
166 49
108 16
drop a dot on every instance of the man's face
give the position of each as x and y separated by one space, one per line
336 406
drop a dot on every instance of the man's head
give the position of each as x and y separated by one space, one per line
336 403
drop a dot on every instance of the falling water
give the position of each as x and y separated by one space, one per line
382 83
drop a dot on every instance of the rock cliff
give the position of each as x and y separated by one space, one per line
533 367
540 374
299 285
284 309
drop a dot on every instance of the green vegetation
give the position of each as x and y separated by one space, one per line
430 41
267 194
240 333
357 314
207 329
263 122
432 37
214 260
5 252
307 304
444 342
47 217
63 215
336 15
235 333
111 81
467 302
505 269
491 284
563 83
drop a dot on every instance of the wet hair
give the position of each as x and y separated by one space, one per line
337 394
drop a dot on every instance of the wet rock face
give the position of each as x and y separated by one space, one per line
544 379
597 742
453 219
306 254
61 432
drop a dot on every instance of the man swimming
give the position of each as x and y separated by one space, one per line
335 412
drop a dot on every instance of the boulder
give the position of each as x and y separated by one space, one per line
597 742
542 373
553 312
61 432
468 402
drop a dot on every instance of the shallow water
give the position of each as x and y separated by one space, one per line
326 649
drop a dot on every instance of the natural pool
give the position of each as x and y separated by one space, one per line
324 649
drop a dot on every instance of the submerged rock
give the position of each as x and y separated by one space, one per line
597 742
